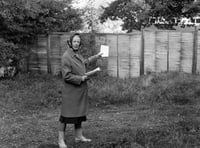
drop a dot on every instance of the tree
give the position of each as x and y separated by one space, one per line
168 8
127 10
22 20
59 16
136 14
193 8
90 15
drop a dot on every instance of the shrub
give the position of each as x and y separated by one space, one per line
37 91
12 54
8 51
165 88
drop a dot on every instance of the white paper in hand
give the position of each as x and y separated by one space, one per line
93 71
105 50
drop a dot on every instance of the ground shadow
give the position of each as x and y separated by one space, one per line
48 146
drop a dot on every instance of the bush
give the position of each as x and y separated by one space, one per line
165 88
174 88
38 91
11 56
8 51
31 92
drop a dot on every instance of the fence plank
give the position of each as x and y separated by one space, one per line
198 53
48 54
54 54
187 51
163 51
194 58
135 54
38 58
111 41
149 51
123 54
174 51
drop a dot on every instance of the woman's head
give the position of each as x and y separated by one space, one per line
75 41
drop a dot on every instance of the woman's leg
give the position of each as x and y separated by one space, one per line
79 133
61 135
62 126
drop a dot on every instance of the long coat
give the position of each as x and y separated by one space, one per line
75 92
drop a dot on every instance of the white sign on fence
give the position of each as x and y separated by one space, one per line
105 50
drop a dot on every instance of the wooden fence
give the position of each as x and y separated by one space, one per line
131 55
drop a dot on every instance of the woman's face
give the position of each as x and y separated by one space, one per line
76 42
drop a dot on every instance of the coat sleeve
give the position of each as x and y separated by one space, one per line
68 76
90 60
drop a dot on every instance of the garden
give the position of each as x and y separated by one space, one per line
157 110
154 111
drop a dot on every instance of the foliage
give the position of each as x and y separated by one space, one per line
128 11
90 15
10 51
88 48
192 9
31 91
136 14
111 26
22 20
167 8
90 18
30 106
164 89
60 17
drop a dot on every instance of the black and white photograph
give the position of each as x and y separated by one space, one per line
99 73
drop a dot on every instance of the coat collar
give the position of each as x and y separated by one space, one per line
71 52
75 55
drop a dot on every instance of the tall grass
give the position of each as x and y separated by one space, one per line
30 92
177 94
169 88
37 91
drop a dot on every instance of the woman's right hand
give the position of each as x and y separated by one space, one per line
99 55
84 78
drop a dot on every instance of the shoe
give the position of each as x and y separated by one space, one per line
82 139
62 145
61 142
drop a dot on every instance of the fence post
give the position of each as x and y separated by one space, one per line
28 58
117 55
194 59
167 51
142 53
48 54
181 52
129 58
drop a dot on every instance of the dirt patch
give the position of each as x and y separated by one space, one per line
109 127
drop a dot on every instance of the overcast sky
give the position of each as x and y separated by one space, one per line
97 3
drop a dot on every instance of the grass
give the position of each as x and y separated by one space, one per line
154 111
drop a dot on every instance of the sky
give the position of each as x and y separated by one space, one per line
97 3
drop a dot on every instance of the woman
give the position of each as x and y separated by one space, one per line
74 106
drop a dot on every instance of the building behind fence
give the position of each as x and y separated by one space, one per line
130 55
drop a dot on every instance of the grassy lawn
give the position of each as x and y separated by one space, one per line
157 111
